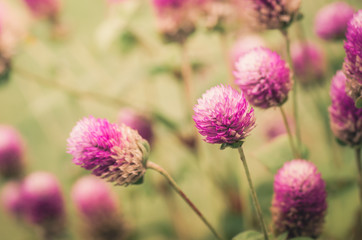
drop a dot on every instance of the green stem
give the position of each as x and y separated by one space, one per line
253 193
174 185
359 168
290 136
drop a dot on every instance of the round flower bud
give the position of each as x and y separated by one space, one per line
11 199
352 65
114 152
299 202
309 63
11 152
44 8
137 122
331 21
263 77
224 116
345 118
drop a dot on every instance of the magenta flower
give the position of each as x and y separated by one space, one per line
137 122
352 65
44 8
263 77
331 21
345 118
223 116
299 202
11 152
114 152
309 63
11 199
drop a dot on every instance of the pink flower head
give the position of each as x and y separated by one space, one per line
114 152
137 122
345 118
352 65
11 152
331 21
309 62
11 198
42 199
263 77
44 8
224 116
299 202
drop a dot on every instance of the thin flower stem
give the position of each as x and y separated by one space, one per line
359 168
174 185
295 90
253 194
290 136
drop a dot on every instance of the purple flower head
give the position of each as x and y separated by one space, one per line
345 118
272 14
309 62
114 152
331 21
263 77
223 116
299 202
352 65
42 199
11 152
11 198
44 8
137 122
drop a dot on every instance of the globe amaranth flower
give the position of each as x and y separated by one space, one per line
137 122
44 8
12 161
223 116
345 118
299 202
114 152
263 77
11 199
352 65
309 63
272 14
331 21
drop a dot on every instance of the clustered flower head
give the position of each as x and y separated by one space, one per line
44 8
331 21
345 118
272 14
223 116
11 152
352 65
263 77
299 202
309 63
114 152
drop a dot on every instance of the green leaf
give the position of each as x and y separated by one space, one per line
249 235
283 236
358 102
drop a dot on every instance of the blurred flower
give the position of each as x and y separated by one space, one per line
137 122
331 21
11 152
309 63
114 152
223 116
263 77
42 199
272 14
11 198
299 202
345 118
352 65
44 8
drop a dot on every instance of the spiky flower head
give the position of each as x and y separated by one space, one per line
352 65
299 202
224 116
114 152
309 63
345 118
12 160
331 21
272 14
264 77
44 8
11 199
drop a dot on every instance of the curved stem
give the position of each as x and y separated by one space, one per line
174 185
290 136
253 193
